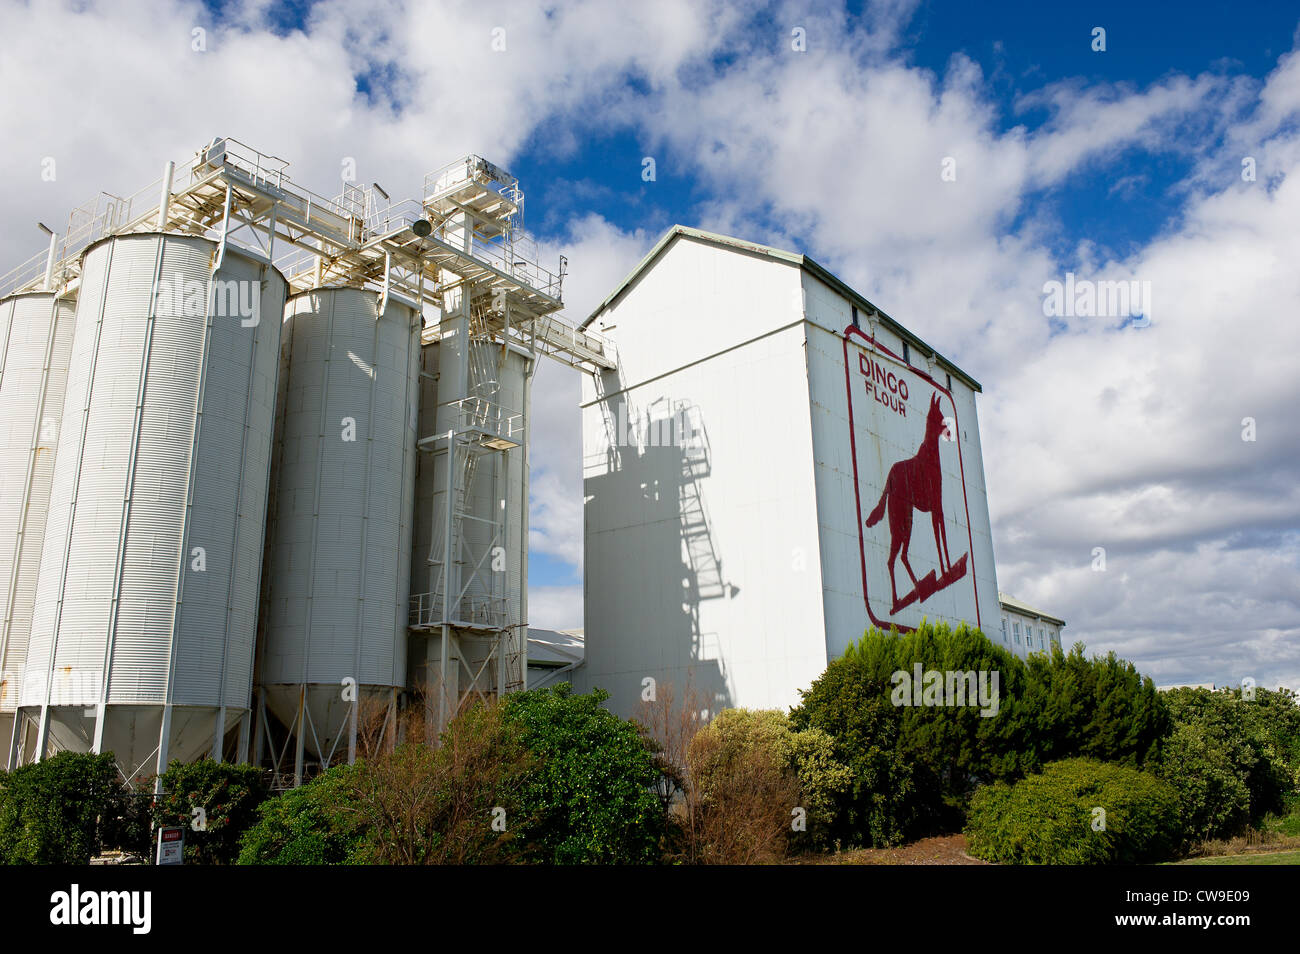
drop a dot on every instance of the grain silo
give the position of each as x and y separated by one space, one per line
159 575
489 552
338 564
146 604
36 333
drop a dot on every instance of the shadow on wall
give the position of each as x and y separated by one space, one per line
652 563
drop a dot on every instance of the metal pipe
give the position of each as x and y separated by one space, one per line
49 260
522 633
165 200
444 649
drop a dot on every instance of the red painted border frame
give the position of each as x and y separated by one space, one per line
857 496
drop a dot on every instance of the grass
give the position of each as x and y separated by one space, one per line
1259 858
1275 842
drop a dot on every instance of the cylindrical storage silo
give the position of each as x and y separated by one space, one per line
146 605
514 374
338 565
36 333
495 505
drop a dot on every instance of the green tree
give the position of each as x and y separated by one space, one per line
215 802
51 811
1218 758
1098 708
314 824
590 799
915 767
1273 720
851 704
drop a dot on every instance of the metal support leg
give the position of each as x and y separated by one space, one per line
42 733
259 733
219 736
301 741
164 736
11 753
241 749
352 728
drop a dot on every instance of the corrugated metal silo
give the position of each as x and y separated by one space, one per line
36 332
496 501
146 606
338 566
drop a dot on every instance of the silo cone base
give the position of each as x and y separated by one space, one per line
328 717
132 734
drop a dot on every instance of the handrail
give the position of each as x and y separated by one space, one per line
345 226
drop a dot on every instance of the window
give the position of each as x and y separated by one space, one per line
1015 631
907 354
1004 629
1042 638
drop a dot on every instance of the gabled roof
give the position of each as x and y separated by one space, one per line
1011 603
790 258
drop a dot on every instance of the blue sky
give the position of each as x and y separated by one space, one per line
1118 164
1022 46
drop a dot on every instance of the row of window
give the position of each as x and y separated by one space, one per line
1043 634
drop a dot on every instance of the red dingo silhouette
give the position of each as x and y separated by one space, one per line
917 484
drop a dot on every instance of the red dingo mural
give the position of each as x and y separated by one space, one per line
889 480
917 484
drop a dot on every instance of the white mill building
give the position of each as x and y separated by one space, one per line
774 466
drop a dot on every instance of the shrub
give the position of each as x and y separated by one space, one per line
542 776
423 805
740 789
747 772
51 810
823 781
228 796
1051 818
314 824
590 798
915 767
1218 759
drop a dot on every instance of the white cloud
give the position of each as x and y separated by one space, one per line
555 607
